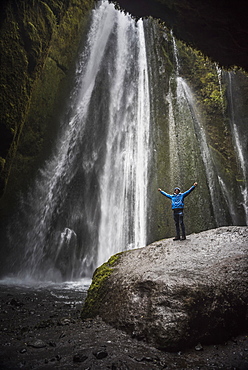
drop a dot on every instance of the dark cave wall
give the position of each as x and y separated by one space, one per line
218 28
38 44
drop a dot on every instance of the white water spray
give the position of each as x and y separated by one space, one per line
173 135
124 180
219 75
175 53
184 93
239 151
90 199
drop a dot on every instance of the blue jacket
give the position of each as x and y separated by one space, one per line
177 200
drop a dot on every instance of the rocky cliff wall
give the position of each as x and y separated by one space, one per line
194 108
39 43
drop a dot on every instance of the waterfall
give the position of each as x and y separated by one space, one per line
123 185
173 135
240 150
184 93
187 132
219 74
89 201
175 53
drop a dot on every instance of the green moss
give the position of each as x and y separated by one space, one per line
202 75
24 42
38 45
98 288
167 59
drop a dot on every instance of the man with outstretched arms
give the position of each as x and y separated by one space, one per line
177 205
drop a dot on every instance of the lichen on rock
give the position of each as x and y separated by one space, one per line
98 287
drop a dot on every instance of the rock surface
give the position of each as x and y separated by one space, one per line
176 294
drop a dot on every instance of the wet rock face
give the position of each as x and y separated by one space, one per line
177 294
39 43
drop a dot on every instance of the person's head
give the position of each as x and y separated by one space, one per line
177 190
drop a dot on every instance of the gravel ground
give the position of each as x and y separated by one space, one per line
41 329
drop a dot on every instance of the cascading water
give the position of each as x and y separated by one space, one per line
184 93
123 185
219 74
185 129
175 54
89 201
187 135
240 148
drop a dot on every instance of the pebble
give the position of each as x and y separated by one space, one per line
100 354
37 344
198 347
78 357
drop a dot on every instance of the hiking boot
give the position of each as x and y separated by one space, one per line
183 237
177 238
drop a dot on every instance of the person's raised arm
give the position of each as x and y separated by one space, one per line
190 190
164 193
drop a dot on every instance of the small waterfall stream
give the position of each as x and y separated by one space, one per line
188 134
184 93
240 148
187 131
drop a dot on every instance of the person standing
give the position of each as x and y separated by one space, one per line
177 205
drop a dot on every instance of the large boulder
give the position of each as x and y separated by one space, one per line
176 294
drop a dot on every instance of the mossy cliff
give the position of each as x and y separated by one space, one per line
192 125
38 45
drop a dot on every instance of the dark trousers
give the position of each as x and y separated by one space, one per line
178 218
